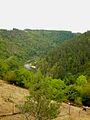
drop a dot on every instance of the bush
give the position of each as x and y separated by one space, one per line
86 95
81 80
23 77
10 76
72 93
57 87
38 103
3 68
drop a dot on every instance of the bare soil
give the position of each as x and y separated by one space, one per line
11 95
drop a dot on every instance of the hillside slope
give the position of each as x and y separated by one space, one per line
11 95
70 57
30 44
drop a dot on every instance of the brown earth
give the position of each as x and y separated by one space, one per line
11 95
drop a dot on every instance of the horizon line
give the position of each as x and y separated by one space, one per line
47 29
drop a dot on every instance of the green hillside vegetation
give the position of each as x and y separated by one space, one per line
70 62
69 58
28 44
62 71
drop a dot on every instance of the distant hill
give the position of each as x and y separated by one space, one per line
62 52
70 57
30 44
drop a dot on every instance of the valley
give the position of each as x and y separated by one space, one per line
51 67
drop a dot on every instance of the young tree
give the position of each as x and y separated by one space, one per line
57 87
38 103
81 80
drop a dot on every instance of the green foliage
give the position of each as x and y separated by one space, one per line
56 57
85 93
10 76
78 101
87 70
71 56
69 79
38 103
57 87
23 77
3 68
72 93
13 63
81 80
30 44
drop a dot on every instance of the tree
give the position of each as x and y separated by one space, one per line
72 93
69 79
81 80
3 68
23 77
38 103
57 88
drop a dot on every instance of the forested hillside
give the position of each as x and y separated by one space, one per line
61 74
30 44
69 58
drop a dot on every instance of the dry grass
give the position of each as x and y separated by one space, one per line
11 95
76 113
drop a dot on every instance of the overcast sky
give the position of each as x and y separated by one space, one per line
73 15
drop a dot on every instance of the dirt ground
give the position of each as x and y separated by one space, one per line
10 96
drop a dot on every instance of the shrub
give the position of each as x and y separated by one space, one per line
86 95
38 103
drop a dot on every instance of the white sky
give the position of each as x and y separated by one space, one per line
73 15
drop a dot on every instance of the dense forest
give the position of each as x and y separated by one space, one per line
30 44
60 66
70 57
